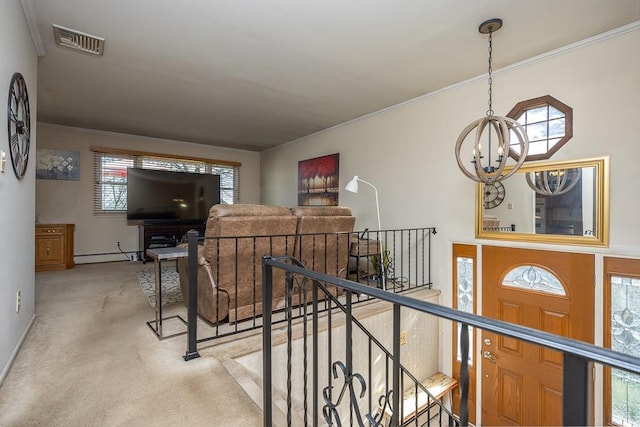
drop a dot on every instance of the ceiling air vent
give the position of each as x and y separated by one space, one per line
77 40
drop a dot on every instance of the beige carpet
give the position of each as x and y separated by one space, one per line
91 360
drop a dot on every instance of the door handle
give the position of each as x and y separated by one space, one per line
490 356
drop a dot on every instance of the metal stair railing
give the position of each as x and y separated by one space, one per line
333 397
385 400
404 254
577 356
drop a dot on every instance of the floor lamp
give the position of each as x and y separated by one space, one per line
352 186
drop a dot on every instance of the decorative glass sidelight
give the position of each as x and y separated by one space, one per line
465 284
464 272
625 338
533 278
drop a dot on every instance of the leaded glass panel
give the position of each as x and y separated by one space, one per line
533 278
465 284
625 338
464 274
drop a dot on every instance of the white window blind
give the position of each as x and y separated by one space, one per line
110 176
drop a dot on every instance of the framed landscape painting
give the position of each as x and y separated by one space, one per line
318 181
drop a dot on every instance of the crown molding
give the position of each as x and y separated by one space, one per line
32 22
616 32
139 137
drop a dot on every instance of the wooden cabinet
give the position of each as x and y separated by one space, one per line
54 247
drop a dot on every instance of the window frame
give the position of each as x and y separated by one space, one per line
99 182
625 267
546 100
460 250
141 159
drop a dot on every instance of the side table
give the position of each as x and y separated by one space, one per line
158 255
361 253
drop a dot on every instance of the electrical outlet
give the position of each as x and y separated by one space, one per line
18 301
403 337
133 257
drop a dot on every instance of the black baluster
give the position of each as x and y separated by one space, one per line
464 375
267 392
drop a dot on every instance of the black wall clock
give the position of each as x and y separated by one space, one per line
19 124
493 195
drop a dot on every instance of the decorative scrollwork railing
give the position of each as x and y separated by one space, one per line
333 396
385 406
330 409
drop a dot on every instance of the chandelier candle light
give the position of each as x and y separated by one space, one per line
499 131
553 182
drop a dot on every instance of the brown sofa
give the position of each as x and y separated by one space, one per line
323 238
238 236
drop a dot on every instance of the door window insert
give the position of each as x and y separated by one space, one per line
533 278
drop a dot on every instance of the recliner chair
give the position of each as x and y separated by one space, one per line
230 260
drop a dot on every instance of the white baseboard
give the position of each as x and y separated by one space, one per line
95 259
7 367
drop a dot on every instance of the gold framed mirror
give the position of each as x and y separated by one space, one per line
561 202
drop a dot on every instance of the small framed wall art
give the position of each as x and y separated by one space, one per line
318 181
57 164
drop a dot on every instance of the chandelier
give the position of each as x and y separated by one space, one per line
495 132
553 182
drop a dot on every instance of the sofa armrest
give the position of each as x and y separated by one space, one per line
213 302
206 266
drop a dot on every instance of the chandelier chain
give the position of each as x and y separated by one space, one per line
505 131
490 91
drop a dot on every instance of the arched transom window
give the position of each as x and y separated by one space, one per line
533 278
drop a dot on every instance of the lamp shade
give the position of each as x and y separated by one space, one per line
352 185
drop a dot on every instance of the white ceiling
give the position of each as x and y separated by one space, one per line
253 74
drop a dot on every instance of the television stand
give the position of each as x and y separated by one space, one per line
154 236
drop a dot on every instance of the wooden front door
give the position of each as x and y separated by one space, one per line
545 290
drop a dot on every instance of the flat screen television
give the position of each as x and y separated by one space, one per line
158 196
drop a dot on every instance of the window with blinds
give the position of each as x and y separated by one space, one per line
110 176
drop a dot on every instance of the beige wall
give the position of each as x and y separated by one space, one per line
408 151
72 201
17 54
